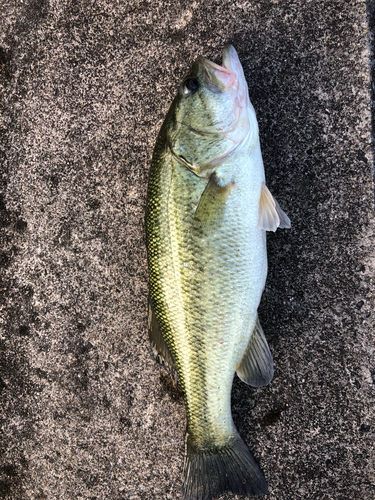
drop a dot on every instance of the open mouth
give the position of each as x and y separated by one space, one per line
224 76
218 78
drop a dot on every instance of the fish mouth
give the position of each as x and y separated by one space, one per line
228 74
217 78
228 77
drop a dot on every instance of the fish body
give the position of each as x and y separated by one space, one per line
208 210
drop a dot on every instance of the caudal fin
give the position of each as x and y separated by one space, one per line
210 472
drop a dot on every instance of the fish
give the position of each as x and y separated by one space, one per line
207 212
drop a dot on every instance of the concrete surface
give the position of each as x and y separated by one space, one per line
85 411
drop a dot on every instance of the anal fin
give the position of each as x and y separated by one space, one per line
256 365
159 347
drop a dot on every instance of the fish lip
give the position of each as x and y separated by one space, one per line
224 76
226 61
228 69
212 65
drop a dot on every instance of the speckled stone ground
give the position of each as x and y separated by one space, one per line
85 412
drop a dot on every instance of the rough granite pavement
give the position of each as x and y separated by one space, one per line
85 411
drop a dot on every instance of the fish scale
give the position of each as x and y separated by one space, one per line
207 261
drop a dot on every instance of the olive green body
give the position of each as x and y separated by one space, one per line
206 279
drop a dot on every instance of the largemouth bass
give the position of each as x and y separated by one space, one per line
208 210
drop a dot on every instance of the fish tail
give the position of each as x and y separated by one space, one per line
211 471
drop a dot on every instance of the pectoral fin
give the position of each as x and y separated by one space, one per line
256 366
271 216
158 344
212 203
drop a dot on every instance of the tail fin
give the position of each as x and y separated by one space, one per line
210 472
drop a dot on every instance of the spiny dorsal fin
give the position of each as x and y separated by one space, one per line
159 347
256 365
271 216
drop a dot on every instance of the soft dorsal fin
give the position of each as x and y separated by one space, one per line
271 216
256 365
159 347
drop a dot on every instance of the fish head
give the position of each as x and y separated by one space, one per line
212 117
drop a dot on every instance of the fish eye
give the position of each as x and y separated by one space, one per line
191 85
